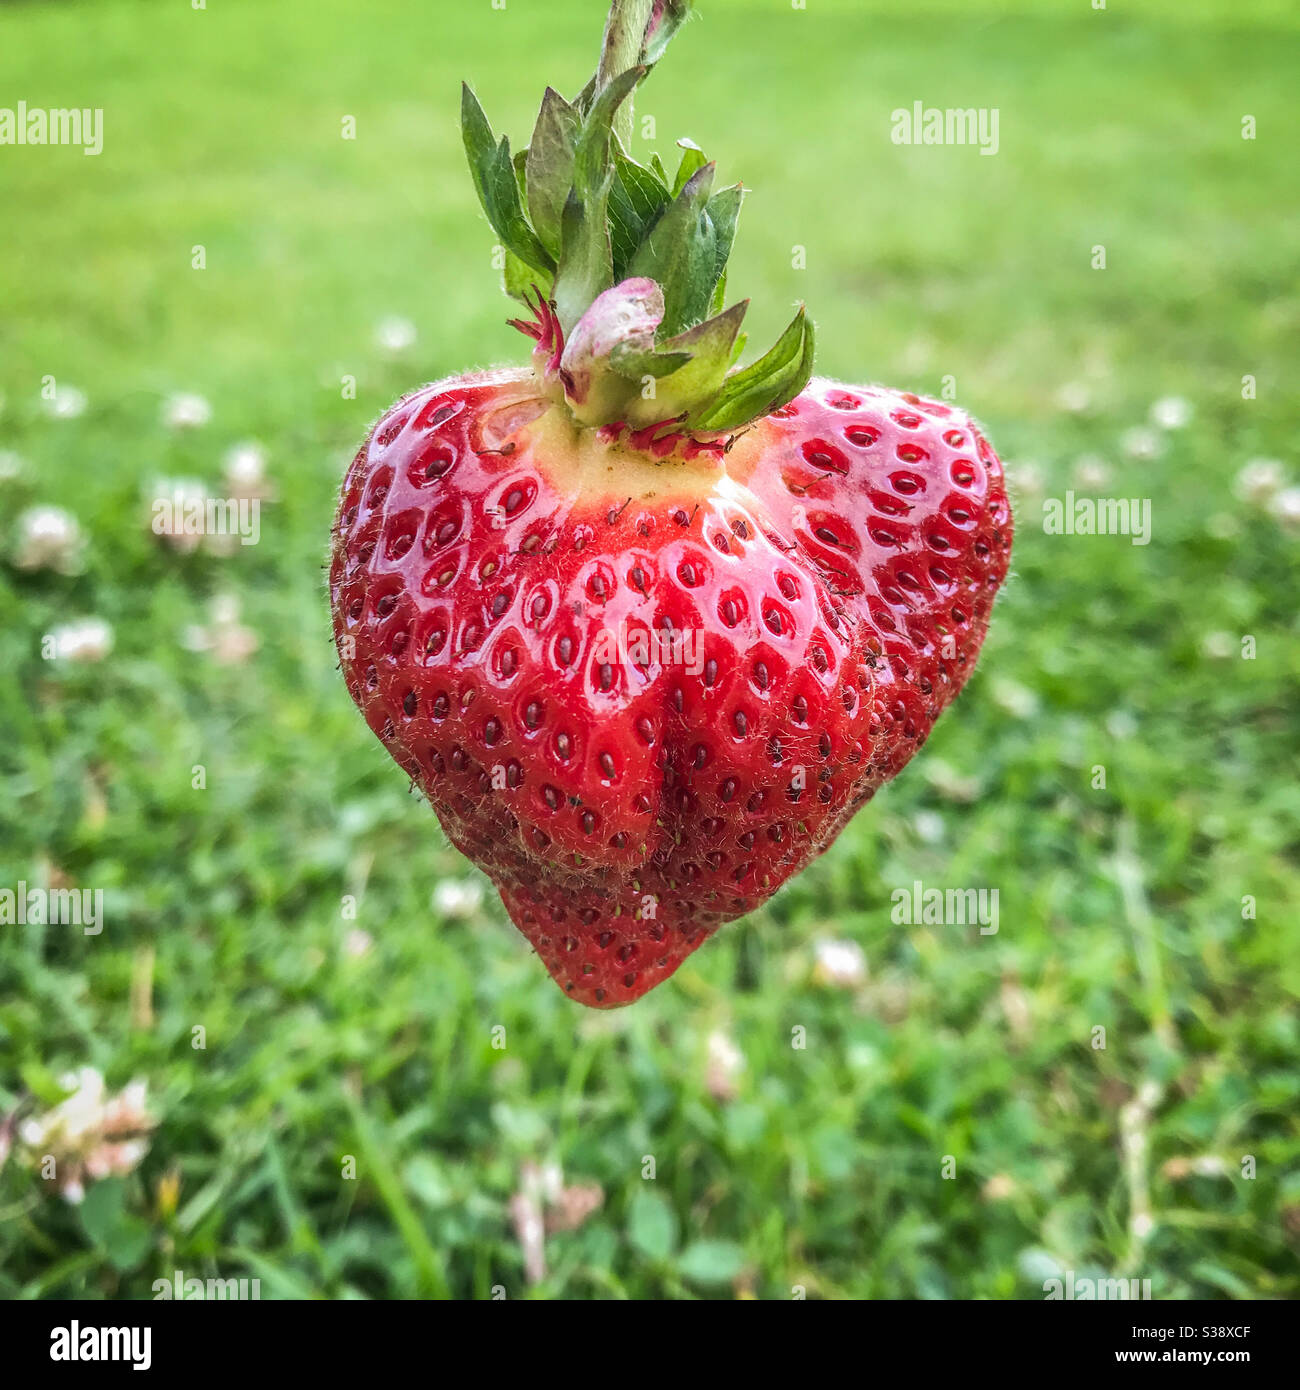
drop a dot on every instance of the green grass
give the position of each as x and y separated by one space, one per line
1120 907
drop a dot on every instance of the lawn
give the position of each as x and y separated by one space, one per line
310 981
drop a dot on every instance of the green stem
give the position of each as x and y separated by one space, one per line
625 33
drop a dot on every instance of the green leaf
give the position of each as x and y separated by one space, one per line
123 1237
719 296
591 158
692 161
637 199
42 1082
549 166
635 363
680 252
480 143
652 1225
498 186
711 1262
625 228
102 1209
377 1166
710 346
520 278
586 262
1221 1278
425 1179
724 209
657 167
651 188
582 102
764 385
505 212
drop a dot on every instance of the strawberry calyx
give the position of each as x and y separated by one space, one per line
623 268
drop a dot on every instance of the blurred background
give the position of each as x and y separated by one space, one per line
276 1059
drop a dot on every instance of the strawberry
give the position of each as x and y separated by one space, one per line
644 628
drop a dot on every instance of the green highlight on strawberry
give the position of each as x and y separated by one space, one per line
646 627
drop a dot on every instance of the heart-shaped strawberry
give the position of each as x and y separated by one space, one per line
647 630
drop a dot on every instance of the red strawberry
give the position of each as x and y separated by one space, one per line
646 631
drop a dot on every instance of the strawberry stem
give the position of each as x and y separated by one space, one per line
625 37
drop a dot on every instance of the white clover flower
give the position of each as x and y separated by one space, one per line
1121 724
1001 1187
724 1064
574 1204
48 538
11 466
90 1134
82 1110
395 334
1091 472
132 1099
530 1231
234 645
1017 700
546 1181
245 463
1074 396
100 1163
1218 646
245 470
115 1160
66 404
1285 508
85 1080
186 411
1259 480
840 964
949 783
225 609
1171 413
357 943
173 502
929 827
458 897
88 640
227 639
1027 478
1142 443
